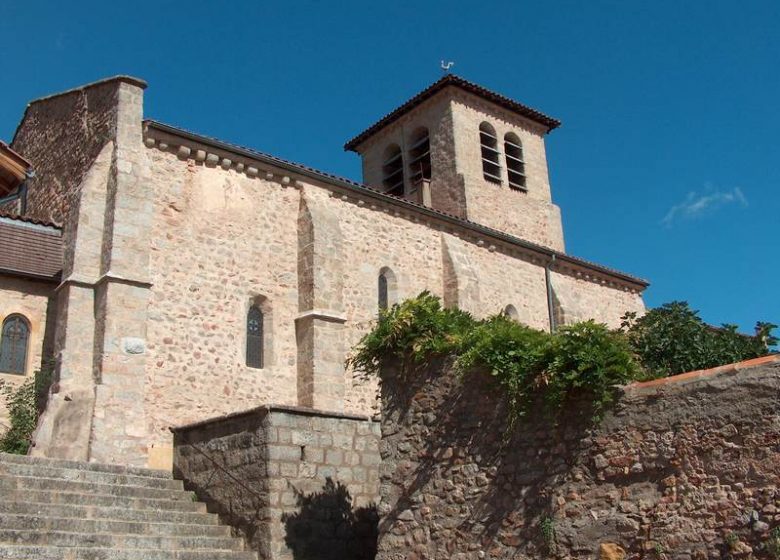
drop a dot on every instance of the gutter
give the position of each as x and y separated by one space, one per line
550 303
311 173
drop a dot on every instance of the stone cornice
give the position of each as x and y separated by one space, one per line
213 152
323 314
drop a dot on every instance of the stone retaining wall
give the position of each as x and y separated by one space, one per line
684 468
294 482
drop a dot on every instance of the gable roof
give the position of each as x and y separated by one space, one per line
29 248
456 81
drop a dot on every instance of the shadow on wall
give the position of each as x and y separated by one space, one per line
485 484
326 527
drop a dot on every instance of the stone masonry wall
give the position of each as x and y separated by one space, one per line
294 482
222 239
681 468
61 136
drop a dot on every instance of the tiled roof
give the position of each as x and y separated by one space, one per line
456 81
29 220
374 193
29 248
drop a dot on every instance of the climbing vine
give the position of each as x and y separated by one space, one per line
525 363
24 403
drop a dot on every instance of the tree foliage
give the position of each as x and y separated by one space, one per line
672 339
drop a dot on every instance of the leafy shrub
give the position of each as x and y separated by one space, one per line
24 402
672 339
524 362
589 358
418 327
515 356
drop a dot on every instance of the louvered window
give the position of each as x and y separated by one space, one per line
420 156
515 164
254 337
13 345
393 171
491 168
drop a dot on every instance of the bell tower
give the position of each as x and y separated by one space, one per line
459 148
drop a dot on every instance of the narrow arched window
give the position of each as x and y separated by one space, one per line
13 344
382 292
386 289
254 337
420 156
510 312
515 164
491 168
393 171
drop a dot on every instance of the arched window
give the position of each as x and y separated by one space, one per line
420 156
510 311
254 337
515 164
393 171
13 345
386 289
491 168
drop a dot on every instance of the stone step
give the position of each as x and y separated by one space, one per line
33 522
11 552
78 486
77 498
106 513
48 471
97 467
117 541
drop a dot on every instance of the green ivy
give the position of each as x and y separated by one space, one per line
24 403
583 359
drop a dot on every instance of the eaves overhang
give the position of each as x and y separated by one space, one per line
559 259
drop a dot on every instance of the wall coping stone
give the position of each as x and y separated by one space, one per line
701 374
324 314
268 409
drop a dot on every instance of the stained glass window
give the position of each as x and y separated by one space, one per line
254 337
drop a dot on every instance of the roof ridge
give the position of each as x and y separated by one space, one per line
466 85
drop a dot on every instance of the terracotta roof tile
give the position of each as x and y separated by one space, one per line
30 249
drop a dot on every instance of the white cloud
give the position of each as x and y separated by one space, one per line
696 204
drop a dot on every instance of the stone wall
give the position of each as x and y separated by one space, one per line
680 468
222 238
294 482
61 136
35 301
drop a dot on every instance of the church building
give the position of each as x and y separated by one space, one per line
171 277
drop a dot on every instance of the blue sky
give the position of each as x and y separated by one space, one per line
667 164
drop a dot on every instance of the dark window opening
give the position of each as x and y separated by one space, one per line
393 171
515 164
491 166
254 337
13 346
420 157
382 291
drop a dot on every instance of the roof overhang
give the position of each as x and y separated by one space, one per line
13 169
451 80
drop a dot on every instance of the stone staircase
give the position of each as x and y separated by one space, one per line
66 510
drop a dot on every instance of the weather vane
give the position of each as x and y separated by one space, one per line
445 66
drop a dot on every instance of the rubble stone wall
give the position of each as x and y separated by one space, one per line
293 481
685 468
